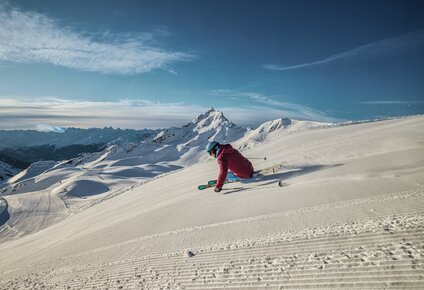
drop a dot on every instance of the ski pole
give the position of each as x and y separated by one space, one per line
261 158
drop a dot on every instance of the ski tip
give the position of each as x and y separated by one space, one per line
201 187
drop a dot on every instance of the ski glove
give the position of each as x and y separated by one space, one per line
217 189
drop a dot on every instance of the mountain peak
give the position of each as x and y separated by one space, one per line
211 118
211 124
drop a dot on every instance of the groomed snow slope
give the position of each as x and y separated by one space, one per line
351 215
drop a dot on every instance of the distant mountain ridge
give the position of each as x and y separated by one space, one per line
181 146
90 178
71 136
168 149
20 148
47 152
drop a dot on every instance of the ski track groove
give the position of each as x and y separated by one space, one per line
390 256
273 249
186 271
379 210
370 270
307 269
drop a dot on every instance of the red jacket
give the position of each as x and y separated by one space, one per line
230 159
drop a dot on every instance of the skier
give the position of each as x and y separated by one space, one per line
231 163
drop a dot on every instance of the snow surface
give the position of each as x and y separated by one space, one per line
350 214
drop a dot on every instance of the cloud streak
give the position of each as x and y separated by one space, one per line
30 37
49 112
55 112
382 48
285 109
388 102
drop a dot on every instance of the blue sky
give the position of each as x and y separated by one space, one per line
155 64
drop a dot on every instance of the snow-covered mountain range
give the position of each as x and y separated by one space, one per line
20 148
92 177
70 136
336 206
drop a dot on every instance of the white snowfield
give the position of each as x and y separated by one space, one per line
350 215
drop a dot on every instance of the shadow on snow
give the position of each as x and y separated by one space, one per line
275 177
4 213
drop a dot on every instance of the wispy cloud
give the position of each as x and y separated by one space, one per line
49 113
54 112
31 37
378 49
388 102
284 109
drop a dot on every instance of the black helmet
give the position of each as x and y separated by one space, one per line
211 146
